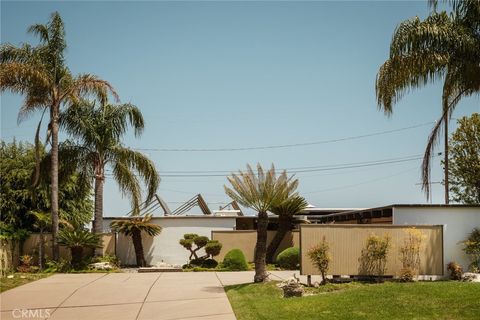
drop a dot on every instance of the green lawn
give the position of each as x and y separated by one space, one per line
20 279
421 300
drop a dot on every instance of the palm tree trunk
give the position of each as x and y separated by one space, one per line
77 255
447 196
41 250
284 225
54 181
261 248
137 244
98 216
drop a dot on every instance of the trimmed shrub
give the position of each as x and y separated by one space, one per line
235 260
209 263
213 248
289 258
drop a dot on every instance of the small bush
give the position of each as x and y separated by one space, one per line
61 266
471 247
320 258
289 258
209 263
235 260
410 254
26 265
406 275
456 270
373 258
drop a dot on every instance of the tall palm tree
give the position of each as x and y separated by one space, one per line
41 75
98 132
261 192
285 212
134 227
441 47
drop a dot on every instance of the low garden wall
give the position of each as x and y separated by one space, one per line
347 241
245 240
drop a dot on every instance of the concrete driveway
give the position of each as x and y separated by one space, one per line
129 296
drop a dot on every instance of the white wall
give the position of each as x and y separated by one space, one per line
458 223
165 247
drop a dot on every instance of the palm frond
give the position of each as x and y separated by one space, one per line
290 207
85 85
130 225
128 184
141 164
262 190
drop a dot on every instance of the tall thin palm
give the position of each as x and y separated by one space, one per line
441 47
261 192
41 75
285 212
98 132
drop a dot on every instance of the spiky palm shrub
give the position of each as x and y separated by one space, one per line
285 211
97 133
261 191
134 227
76 241
40 74
441 47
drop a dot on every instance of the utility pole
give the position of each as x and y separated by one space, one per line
447 198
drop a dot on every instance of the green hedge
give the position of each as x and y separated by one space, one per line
289 258
235 260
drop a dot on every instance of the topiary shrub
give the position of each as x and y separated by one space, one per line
193 243
209 263
235 260
289 258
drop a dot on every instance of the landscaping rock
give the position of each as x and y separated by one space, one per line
471 277
102 266
292 288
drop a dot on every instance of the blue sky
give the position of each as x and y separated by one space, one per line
246 74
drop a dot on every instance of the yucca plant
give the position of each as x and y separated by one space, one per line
444 46
41 74
261 191
285 212
134 227
76 241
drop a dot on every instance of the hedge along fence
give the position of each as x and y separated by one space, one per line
31 247
246 240
347 241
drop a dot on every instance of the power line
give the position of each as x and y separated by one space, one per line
283 145
299 170
360 183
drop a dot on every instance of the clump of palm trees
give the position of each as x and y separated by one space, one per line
443 47
262 191
40 73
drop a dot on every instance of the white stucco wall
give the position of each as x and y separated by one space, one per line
165 247
458 222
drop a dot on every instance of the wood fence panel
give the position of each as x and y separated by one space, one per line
347 241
